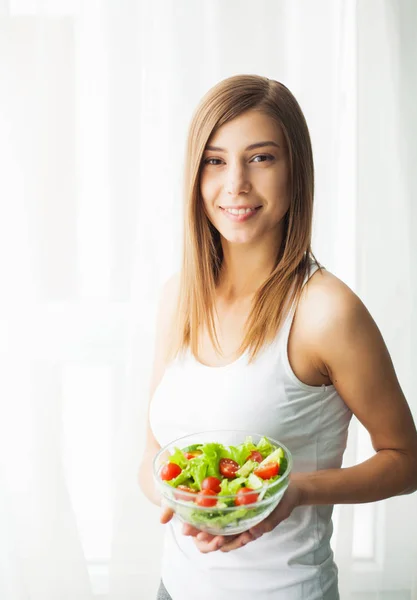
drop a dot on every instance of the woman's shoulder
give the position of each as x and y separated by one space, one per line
333 324
324 286
327 305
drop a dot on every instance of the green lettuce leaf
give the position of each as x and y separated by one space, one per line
240 453
178 457
198 469
181 479
231 486
265 447
212 454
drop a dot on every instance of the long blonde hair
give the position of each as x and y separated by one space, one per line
202 250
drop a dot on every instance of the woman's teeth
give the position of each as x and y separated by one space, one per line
239 211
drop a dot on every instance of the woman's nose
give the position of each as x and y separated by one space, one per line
237 181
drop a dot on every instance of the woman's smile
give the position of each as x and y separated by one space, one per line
240 214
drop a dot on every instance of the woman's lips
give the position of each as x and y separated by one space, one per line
241 217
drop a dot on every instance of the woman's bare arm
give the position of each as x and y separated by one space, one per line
346 342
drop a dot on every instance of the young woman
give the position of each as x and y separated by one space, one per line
253 334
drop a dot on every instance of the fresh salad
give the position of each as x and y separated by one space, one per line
216 476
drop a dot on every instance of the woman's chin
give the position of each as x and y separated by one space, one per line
237 238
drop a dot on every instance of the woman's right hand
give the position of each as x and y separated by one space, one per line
204 541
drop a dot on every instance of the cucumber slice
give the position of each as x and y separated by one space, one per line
254 482
276 456
247 468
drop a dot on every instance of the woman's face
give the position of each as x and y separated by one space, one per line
244 178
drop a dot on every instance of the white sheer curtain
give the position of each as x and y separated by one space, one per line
95 100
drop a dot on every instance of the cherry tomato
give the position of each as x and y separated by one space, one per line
184 497
255 456
228 467
170 471
245 496
267 471
211 483
190 455
206 498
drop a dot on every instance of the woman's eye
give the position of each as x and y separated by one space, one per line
258 158
212 161
262 157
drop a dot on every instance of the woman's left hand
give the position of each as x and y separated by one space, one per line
208 543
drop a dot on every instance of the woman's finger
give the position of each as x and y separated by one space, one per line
188 529
210 546
240 541
166 515
201 536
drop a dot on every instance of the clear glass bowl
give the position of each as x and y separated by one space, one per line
229 520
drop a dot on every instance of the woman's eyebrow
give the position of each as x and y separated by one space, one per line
251 147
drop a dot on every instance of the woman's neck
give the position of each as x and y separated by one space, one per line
244 270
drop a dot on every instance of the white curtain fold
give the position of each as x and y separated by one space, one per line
95 101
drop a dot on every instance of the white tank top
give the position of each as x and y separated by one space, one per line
294 561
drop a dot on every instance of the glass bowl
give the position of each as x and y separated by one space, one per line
220 519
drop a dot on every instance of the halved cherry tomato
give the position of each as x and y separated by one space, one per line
211 483
245 496
255 456
206 498
170 471
184 497
190 455
267 470
228 467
